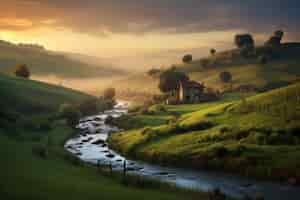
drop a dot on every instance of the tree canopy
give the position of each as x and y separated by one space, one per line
225 77
244 41
187 58
22 71
169 80
109 93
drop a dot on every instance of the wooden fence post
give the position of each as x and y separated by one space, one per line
124 168
110 168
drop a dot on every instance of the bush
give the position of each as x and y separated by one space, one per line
263 59
45 125
204 62
109 93
187 58
220 151
70 113
225 77
109 120
22 71
159 108
72 159
202 125
40 151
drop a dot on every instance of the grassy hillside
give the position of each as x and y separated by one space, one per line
43 63
277 72
256 136
28 97
34 164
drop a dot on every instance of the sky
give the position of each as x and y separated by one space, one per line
143 33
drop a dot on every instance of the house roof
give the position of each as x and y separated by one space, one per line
192 84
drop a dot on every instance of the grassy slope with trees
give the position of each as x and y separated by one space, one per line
274 73
255 136
43 63
27 174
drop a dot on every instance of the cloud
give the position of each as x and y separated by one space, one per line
104 17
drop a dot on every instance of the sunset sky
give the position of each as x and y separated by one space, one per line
154 30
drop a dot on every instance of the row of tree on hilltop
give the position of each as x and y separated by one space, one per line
246 46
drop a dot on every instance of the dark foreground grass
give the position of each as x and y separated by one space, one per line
25 175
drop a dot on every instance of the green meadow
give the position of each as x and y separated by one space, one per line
255 136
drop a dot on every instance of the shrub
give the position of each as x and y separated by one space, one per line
263 59
202 125
224 129
212 52
109 120
159 108
225 77
109 93
40 151
70 113
187 58
72 159
204 62
260 138
22 71
45 125
88 107
134 109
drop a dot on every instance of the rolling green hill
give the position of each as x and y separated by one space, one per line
43 63
256 136
28 97
34 164
277 72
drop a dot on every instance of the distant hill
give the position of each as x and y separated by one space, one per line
43 62
277 72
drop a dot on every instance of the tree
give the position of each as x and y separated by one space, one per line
225 77
89 107
22 71
109 93
244 41
169 80
70 113
275 39
279 33
213 52
187 58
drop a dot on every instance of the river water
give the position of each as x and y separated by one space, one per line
90 146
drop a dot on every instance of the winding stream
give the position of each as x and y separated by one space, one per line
91 147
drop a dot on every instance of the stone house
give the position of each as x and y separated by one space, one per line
190 92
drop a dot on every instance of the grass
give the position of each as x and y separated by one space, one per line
257 136
25 96
27 174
